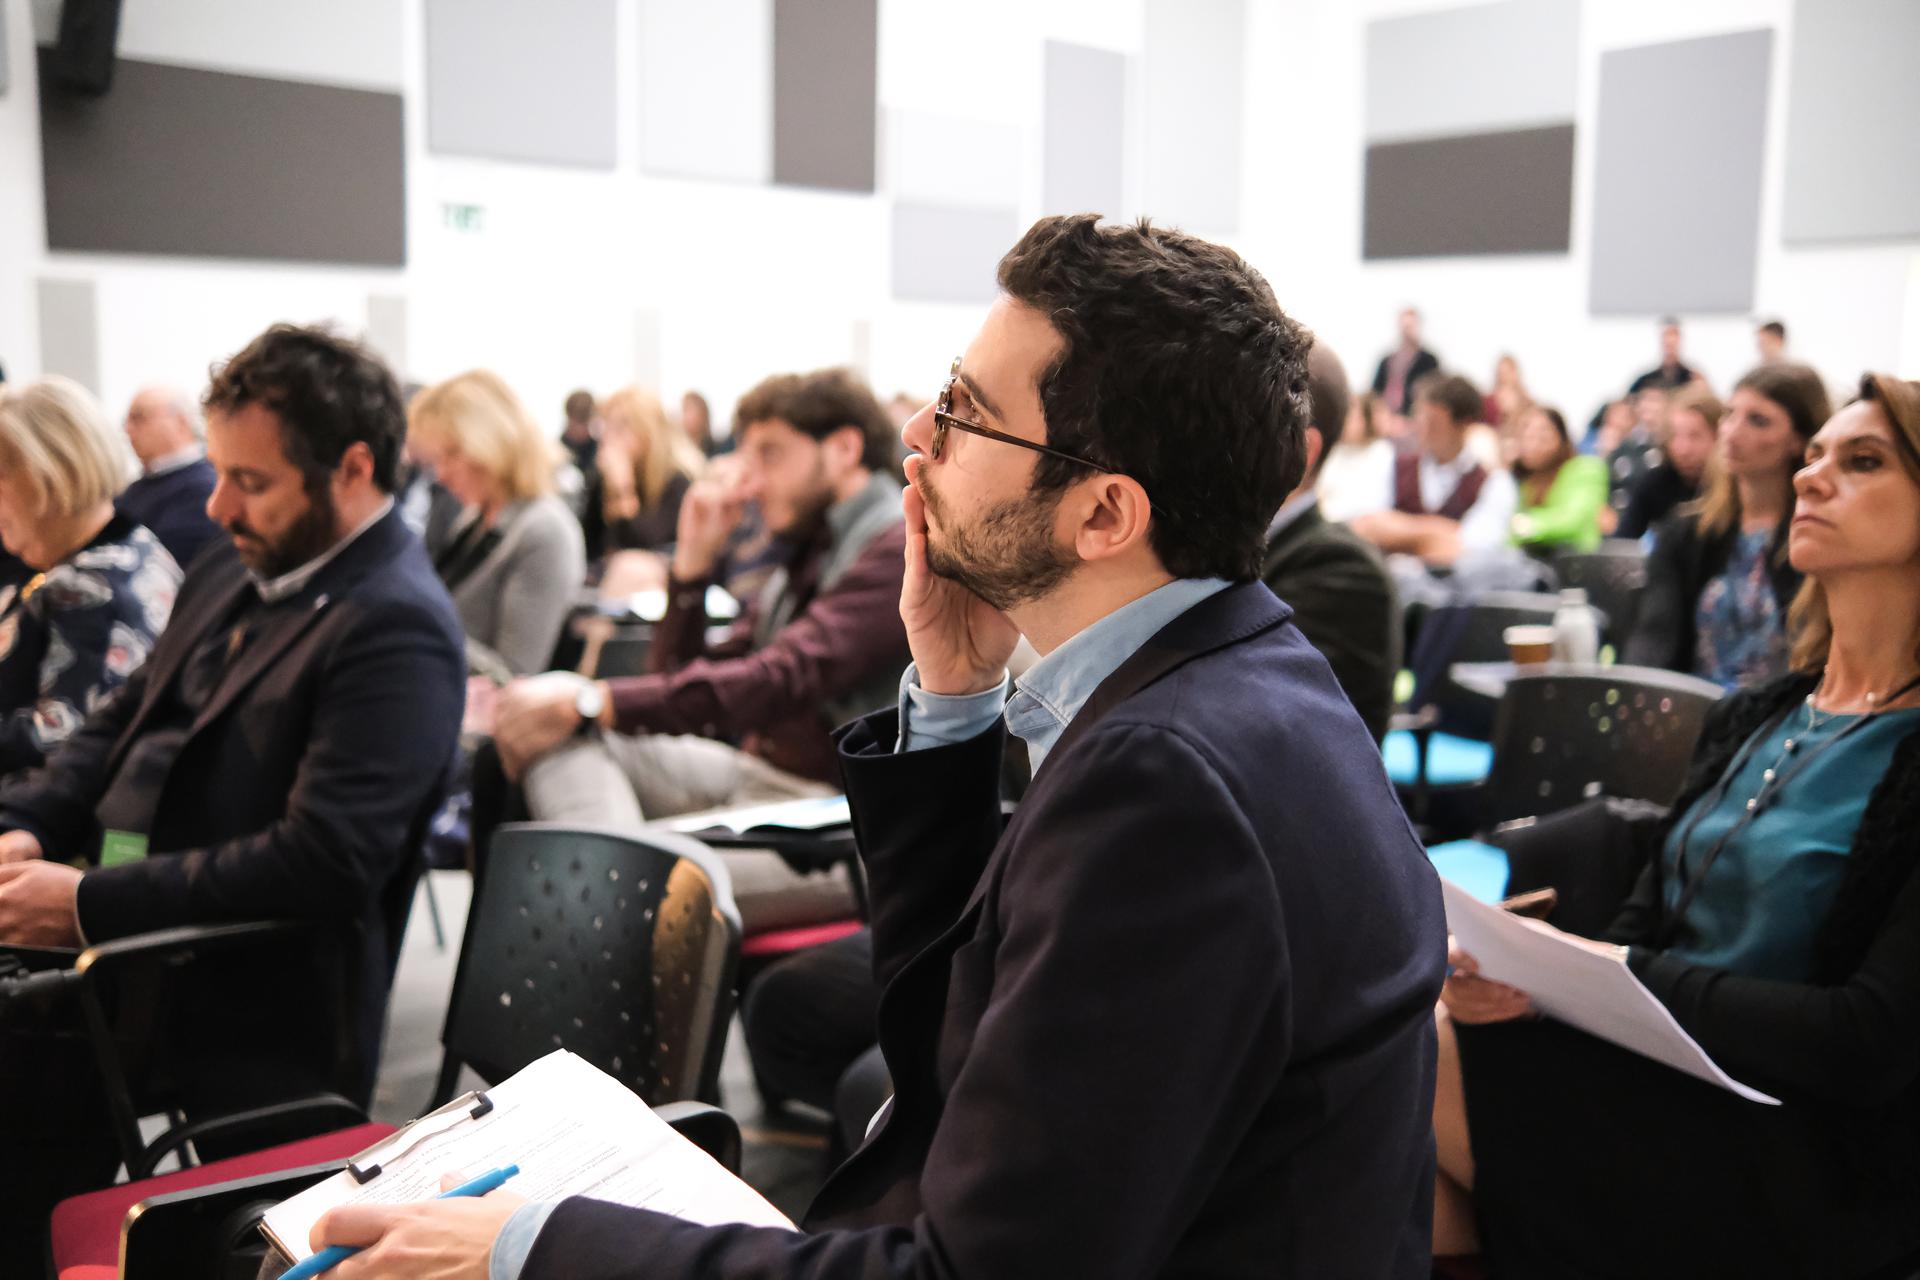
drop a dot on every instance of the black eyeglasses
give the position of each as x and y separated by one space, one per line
944 420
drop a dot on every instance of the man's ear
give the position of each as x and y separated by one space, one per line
846 445
1313 442
355 467
1110 515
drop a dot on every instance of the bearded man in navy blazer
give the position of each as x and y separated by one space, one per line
278 757
1175 1020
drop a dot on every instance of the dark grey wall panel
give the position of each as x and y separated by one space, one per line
825 76
1086 113
1853 153
181 161
1676 180
69 316
507 80
1506 192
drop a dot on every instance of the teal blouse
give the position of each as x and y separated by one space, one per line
1764 899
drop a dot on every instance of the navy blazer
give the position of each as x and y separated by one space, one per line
1176 1021
302 791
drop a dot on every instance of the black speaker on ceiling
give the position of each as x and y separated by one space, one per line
82 60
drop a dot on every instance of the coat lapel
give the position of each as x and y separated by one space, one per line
165 664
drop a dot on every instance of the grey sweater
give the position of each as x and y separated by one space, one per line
515 601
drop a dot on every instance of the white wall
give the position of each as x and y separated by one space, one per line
579 278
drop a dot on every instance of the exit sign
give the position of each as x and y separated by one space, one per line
470 218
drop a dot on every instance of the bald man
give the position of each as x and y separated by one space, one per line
170 497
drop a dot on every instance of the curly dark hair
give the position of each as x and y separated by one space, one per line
819 403
1179 369
329 392
1450 391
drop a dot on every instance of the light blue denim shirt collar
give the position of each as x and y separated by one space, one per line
1047 698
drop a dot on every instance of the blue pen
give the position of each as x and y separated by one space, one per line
333 1255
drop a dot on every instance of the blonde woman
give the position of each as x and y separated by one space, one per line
514 558
102 585
643 470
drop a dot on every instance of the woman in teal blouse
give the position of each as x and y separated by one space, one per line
1778 920
1561 492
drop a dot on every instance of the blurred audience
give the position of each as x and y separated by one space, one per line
1640 449
822 643
581 436
102 585
696 420
170 495
1561 493
1509 398
1672 371
1441 499
1770 341
645 466
514 560
1357 465
1401 369
1693 421
1719 580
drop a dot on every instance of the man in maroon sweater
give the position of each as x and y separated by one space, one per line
747 719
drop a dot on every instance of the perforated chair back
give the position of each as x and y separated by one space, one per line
1613 578
1560 738
620 949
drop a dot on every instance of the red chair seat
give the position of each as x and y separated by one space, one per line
86 1228
779 942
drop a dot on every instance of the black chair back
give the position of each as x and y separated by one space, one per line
1626 732
618 948
1613 578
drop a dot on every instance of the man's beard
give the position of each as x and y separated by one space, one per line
1007 558
313 532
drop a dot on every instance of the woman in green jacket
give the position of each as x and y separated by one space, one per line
1561 493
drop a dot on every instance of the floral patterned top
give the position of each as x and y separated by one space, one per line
1743 637
71 636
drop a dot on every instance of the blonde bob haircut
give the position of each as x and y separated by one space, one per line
476 415
55 440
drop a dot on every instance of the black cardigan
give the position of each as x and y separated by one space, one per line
1683 562
1850 1037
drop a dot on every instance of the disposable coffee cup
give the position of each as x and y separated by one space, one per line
1529 646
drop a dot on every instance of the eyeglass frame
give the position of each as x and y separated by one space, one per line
944 419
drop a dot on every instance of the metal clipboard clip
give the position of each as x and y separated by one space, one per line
364 1168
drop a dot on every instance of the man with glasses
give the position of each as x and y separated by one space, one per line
1177 1018
748 719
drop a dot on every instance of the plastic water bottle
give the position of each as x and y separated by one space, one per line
1576 637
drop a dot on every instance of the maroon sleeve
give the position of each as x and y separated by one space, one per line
680 635
828 651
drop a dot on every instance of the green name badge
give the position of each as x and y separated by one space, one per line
118 848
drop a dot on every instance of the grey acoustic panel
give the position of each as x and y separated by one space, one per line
69 315
514 81
706 89
387 332
1853 154
1435 196
945 254
1689 116
1085 130
182 161
825 77
923 166
1194 72
1490 67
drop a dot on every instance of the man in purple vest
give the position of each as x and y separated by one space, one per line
1444 502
